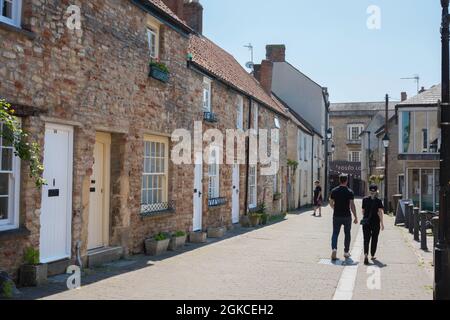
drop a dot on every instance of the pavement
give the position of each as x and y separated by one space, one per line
287 260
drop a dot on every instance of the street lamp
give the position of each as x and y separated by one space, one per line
386 143
333 149
329 134
442 266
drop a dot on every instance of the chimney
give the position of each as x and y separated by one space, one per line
263 73
404 96
193 15
276 52
422 90
177 7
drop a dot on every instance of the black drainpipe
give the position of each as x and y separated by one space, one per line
247 176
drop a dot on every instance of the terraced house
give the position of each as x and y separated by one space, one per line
104 119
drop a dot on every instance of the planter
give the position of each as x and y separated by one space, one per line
197 237
245 222
216 232
33 276
254 220
156 248
264 219
177 243
158 74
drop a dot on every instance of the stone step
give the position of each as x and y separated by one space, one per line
58 267
101 256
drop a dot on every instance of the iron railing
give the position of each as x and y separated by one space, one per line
148 210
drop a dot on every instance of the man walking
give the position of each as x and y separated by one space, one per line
342 200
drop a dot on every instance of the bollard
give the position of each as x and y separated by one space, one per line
435 221
407 215
423 230
416 224
411 219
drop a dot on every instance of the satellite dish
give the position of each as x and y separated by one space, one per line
249 65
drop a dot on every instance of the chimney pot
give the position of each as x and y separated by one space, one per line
265 72
404 96
276 52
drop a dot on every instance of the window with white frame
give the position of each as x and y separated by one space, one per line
300 145
11 12
418 131
9 185
206 94
354 156
155 174
240 114
354 132
214 176
153 42
253 186
305 148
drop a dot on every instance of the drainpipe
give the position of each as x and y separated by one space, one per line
312 170
247 176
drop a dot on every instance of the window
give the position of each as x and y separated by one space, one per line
300 145
240 114
214 176
354 156
206 95
354 132
10 12
401 184
253 186
419 132
256 118
9 186
305 148
155 175
152 35
275 183
332 132
423 188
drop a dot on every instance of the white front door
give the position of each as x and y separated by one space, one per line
198 194
56 217
235 205
98 233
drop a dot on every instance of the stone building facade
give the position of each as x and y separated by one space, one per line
105 129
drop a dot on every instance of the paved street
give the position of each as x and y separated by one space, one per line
287 260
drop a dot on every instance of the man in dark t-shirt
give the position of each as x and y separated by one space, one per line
342 201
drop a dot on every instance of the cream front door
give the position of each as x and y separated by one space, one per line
99 194
235 197
198 194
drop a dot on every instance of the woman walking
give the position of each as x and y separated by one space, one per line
373 210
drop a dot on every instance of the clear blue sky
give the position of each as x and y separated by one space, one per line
329 41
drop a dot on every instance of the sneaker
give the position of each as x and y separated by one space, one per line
334 255
366 261
347 255
374 258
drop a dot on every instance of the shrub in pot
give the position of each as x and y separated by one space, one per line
32 273
157 245
177 241
254 219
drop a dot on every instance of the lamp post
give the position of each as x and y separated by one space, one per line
329 137
442 267
386 143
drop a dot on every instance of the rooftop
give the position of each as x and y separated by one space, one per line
428 97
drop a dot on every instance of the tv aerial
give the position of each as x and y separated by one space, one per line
416 78
250 64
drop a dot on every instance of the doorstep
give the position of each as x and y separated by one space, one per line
101 256
58 267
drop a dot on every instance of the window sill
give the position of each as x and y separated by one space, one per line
419 156
27 33
14 234
158 214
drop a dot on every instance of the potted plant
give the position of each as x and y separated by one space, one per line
277 196
159 71
32 273
177 241
254 219
157 245
215 233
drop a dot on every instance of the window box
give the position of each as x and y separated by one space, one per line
210 117
148 210
217 202
159 73
277 196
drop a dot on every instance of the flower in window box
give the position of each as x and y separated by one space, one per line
159 71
